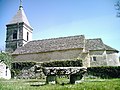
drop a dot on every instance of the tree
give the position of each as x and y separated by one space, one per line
6 58
117 7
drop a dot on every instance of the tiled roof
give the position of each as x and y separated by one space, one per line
94 44
110 48
97 44
62 43
20 17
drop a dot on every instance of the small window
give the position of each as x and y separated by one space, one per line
27 36
94 58
15 34
6 70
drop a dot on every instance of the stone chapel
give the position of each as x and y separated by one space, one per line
93 52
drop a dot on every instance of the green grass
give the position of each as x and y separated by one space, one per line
91 84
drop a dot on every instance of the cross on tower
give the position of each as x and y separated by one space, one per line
20 4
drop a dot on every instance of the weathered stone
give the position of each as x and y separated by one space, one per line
31 73
75 78
76 73
51 79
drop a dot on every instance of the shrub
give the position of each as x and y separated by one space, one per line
105 72
18 66
6 58
21 65
65 63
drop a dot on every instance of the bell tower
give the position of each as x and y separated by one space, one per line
18 31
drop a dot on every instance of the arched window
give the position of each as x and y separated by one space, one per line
15 34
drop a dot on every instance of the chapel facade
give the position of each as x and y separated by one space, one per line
19 42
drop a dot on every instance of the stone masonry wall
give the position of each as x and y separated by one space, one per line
104 58
113 59
56 55
86 59
100 58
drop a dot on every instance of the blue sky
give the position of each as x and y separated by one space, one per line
60 18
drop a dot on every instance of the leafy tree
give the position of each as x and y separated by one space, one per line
117 7
6 58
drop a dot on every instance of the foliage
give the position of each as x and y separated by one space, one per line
18 66
21 65
105 72
104 84
65 63
6 58
117 7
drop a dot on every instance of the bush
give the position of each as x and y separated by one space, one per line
105 72
6 58
18 66
21 65
66 63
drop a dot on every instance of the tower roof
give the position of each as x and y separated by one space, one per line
20 17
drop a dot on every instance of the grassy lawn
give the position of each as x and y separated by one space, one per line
91 84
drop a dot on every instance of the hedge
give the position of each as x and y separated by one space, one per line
105 72
18 66
65 63
21 65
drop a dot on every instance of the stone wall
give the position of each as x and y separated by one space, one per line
86 59
104 58
21 38
55 55
91 59
34 72
112 59
98 58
